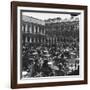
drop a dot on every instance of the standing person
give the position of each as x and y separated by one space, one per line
46 70
30 68
36 68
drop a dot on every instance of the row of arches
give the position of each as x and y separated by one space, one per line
33 28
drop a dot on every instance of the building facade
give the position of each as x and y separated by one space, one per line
33 31
62 31
49 32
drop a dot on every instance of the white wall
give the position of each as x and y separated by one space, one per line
5 44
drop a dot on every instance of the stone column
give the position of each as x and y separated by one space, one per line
26 28
22 27
44 40
38 30
31 28
34 29
44 31
26 39
48 41
34 40
30 40
41 40
51 40
38 40
56 39
41 32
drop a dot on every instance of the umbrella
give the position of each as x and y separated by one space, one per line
35 53
54 67
45 51
47 55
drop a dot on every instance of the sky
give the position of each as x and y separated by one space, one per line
44 16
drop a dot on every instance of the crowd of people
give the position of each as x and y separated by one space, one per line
45 61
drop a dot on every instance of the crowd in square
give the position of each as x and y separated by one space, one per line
45 61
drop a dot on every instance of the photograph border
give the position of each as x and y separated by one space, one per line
14 5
